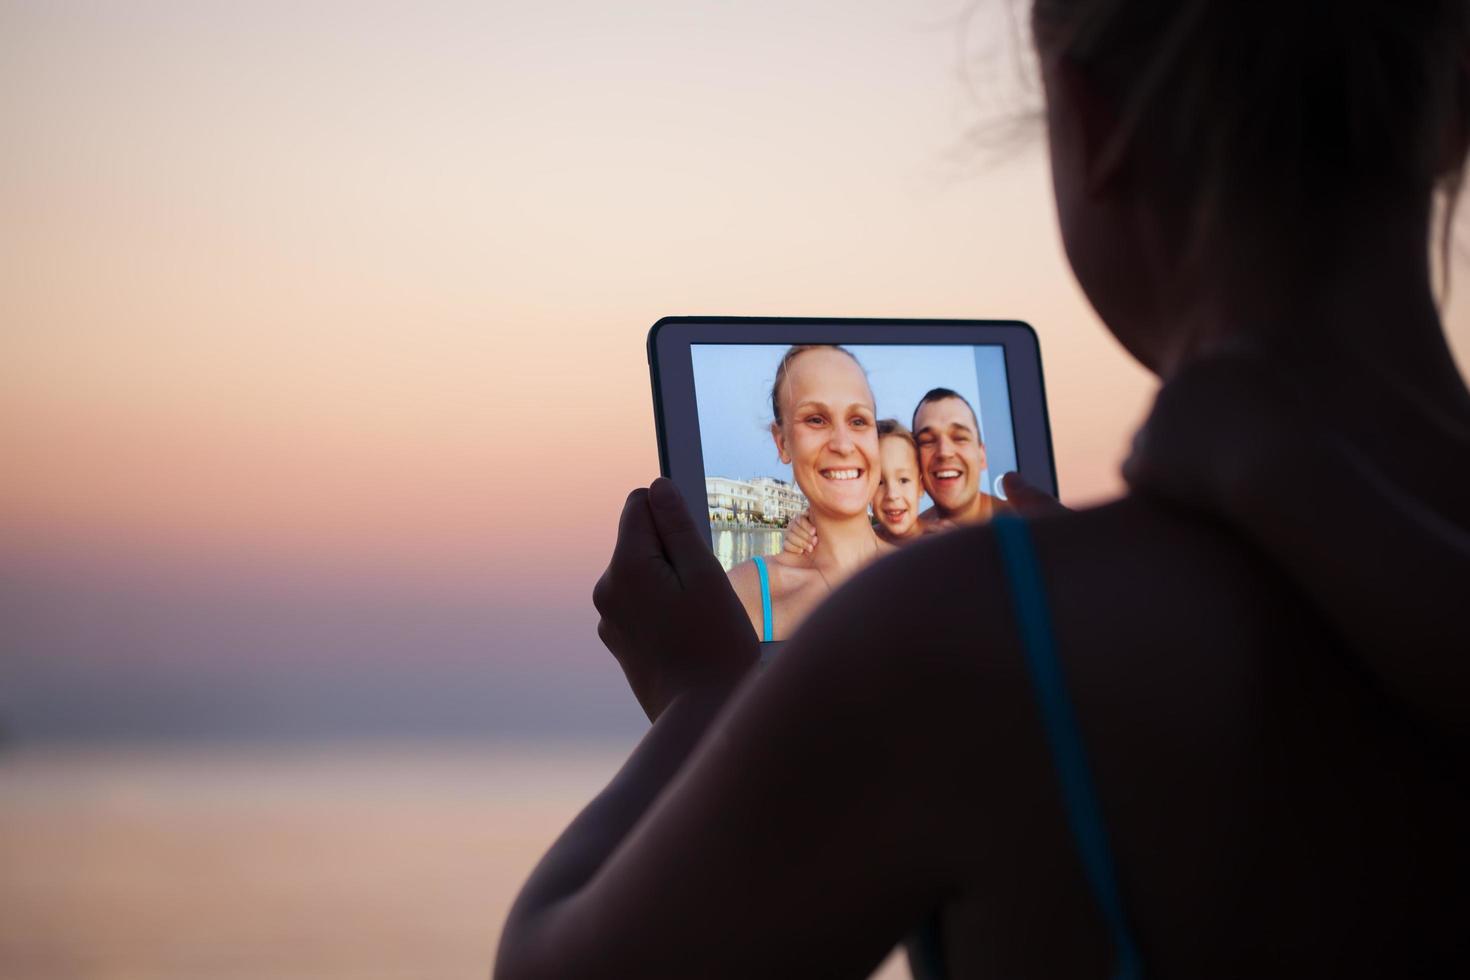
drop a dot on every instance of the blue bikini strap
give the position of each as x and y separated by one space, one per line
767 631
1084 815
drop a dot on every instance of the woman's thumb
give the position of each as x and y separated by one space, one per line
1030 501
684 542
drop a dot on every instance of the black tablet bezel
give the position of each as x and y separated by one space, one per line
681 455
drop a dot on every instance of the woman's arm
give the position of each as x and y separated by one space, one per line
745 580
801 825
789 841
535 941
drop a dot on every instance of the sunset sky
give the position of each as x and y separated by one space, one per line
322 375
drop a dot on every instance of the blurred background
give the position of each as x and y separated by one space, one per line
322 381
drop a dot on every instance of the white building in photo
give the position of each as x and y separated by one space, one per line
779 501
730 500
760 500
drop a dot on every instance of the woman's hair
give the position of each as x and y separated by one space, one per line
1277 110
792 353
893 427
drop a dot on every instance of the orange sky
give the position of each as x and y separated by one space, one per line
361 289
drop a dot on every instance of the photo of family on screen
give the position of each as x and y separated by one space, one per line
820 459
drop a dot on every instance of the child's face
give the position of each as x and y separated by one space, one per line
896 501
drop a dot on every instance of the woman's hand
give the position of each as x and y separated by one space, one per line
800 536
1027 500
669 615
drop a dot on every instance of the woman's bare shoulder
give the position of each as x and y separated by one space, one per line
785 574
1135 557
790 574
744 577
1127 587
1113 565
904 629
745 580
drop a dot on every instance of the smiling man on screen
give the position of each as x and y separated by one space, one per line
951 459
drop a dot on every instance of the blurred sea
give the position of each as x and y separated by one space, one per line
327 860
734 545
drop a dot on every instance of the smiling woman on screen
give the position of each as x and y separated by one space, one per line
825 427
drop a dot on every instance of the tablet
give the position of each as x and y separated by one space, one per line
874 433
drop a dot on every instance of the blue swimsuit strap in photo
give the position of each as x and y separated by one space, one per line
767 631
1084 816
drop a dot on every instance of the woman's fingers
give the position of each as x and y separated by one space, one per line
638 542
637 549
687 548
1028 500
668 612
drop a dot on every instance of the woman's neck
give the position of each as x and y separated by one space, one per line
844 544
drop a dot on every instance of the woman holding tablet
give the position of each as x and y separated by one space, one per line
1218 740
825 427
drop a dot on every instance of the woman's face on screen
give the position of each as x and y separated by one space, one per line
896 501
830 434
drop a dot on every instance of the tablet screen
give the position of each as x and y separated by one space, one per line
871 446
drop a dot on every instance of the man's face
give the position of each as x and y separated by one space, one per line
951 454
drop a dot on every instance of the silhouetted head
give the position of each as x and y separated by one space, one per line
1194 139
